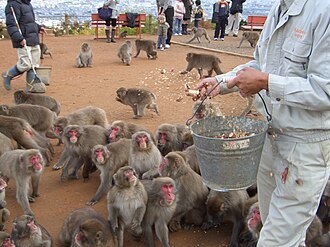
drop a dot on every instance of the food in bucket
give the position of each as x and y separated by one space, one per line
237 134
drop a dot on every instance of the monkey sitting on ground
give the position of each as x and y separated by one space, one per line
23 166
198 33
44 51
85 57
251 37
125 52
202 61
86 228
5 240
123 34
127 201
27 232
148 46
21 97
138 99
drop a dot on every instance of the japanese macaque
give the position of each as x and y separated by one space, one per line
323 212
123 34
322 241
190 206
127 201
191 158
85 228
138 99
78 142
5 240
85 57
26 231
89 115
169 137
144 156
161 206
4 212
226 206
251 37
5 144
125 52
120 129
24 135
202 61
45 51
205 109
108 159
23 166
148 46
198 33
21 97
187 140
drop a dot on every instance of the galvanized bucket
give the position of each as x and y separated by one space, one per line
231 163
43 73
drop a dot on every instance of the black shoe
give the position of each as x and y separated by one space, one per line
234 35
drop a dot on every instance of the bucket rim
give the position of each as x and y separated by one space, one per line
230 139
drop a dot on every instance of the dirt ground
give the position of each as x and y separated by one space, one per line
75 88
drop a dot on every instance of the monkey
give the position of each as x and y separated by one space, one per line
108 159
126 203
27 232
86 228
144 156
323 212
187 140
202 61
21 97
89 115
226 206
322 241
5 240
123 34
251 37
120 129
125 52
44 51
85 56
191 158
198 33
205 109
78 142
190 206
169 137
19 130
148 46
161 207
5 144
23 166
4 212
138 99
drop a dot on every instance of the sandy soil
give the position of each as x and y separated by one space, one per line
76 88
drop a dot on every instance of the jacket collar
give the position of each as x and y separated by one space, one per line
295 6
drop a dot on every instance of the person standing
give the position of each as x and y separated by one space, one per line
162 32
166 7
198 13
236 10
112 4
187 16
290 75
26 43
179 11
220 18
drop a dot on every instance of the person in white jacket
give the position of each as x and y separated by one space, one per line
179 11
290 73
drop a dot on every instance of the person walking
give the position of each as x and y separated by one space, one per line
220 18
111 23
179 11
290 77
166 7
162 32
26 42
236 10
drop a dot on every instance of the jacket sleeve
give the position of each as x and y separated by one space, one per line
12 28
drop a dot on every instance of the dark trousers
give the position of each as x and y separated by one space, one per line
220 28
169 14
196 23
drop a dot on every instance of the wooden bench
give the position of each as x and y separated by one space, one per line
255 22
122 21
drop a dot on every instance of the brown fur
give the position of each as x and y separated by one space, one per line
251 37
45 51
85 56
146 45
125 52
5 144
198 33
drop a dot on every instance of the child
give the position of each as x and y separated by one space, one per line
198 13
220 18
162 32
179 11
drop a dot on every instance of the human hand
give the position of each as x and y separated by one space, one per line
206 85
43 30
249 81
23 42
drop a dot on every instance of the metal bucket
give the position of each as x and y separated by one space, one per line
232 163
43 73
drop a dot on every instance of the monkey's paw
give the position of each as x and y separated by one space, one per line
174 226
91 202
31 199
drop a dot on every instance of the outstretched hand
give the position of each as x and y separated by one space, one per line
206 85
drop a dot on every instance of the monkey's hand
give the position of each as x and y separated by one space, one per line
174 226
136 228
91 202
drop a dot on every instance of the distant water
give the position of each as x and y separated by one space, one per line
46 10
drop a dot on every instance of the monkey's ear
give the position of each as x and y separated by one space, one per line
99 235
115 179
5 108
